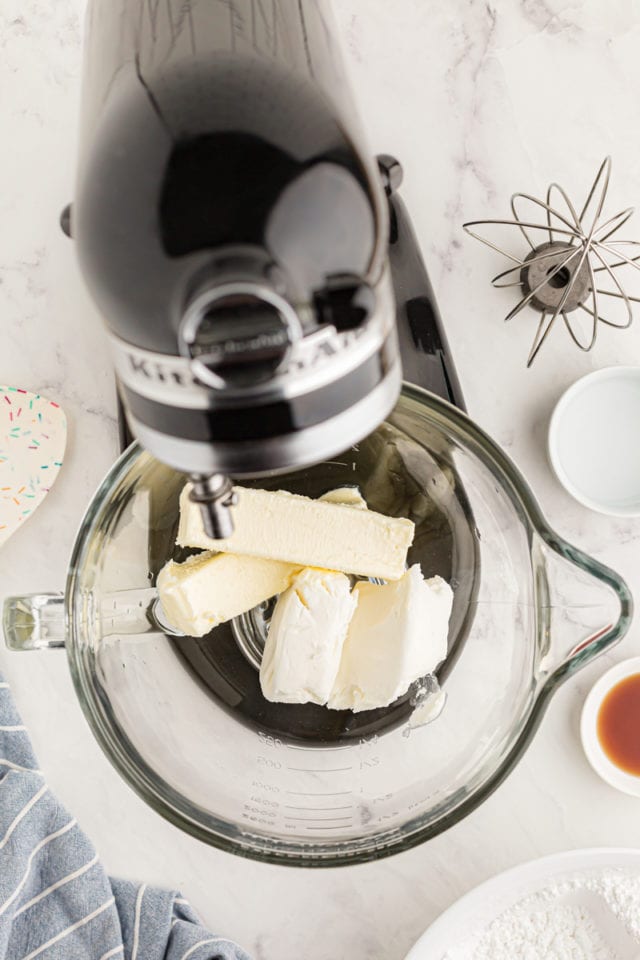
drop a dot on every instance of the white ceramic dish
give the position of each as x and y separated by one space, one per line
596 756
453 932
594 441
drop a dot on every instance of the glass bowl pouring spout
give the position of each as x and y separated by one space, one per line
584 608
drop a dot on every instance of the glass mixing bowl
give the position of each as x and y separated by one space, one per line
185 723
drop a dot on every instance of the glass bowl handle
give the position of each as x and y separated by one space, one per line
38 621
34 622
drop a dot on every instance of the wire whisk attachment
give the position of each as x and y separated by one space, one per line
565 273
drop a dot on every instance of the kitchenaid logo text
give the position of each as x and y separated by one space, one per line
229 348
176 371
323 350
162 373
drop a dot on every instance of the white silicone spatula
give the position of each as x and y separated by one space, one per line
33 435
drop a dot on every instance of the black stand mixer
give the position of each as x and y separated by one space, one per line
257 271
258 286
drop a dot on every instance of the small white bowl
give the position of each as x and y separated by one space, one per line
594 441
613 775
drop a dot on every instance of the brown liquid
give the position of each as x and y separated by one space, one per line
618 724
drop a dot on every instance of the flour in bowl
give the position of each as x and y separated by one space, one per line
553 923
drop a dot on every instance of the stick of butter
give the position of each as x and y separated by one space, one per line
306 634
397 635
211 588
310 533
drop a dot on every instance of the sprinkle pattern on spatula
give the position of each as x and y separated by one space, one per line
33 435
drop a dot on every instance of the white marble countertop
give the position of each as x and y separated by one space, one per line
478 100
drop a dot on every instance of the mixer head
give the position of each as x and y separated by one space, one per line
234 236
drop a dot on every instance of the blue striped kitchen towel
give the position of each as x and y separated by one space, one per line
56 901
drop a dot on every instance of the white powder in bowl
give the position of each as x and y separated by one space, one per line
543 927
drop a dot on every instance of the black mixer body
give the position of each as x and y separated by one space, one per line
234 231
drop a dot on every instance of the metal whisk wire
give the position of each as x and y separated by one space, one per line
558 275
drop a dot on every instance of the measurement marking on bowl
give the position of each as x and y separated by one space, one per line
327 828
319 769
292 746
320 819
288 806
299 793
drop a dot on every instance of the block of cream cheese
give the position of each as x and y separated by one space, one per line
312 533
209 589
306 635
397 635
